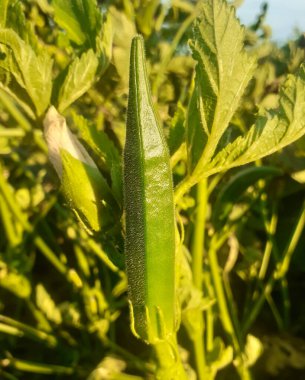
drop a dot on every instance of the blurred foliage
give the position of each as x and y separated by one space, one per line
63 307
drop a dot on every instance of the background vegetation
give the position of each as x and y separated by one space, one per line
63 306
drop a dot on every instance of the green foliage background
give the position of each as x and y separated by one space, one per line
63 306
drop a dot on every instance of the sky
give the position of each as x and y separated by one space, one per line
283 16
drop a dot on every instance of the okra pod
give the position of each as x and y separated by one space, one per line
149 205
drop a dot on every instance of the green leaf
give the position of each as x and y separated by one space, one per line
222 73
81 19
32 72
17 21
272 131
79 78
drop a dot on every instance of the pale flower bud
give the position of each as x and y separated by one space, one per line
84 187
58 136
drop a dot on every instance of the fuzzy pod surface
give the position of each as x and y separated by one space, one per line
149 207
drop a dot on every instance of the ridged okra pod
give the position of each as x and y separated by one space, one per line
149 205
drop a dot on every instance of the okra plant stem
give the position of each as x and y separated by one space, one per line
199 233
209 314
184 186
225 317
197 269
220 293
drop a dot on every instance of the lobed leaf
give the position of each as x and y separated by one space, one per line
79 78
222 73
81 19
16 20
32 71
272 131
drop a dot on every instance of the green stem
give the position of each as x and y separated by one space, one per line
225 317
98 251
200 352
270 248
258 305
277 315
209 313
280 271
298 229
180 154
220 294
271 228
27 366
197 270
10 325
199 234
184 186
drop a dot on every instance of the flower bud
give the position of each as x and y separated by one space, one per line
85 189
58 136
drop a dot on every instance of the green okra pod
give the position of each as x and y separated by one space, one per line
149 205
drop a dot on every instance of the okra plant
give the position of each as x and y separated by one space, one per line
163 197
